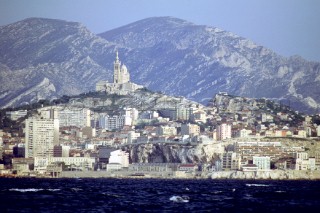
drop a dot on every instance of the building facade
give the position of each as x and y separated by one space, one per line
121 80
114 122
190 129
166 130
74 117
41 135
223 132
263 163
119 157
231 161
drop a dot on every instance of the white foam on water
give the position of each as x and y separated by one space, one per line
254 184
76 189
179 199
32 190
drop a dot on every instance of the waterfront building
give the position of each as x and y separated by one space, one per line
262 162
119 157
73 163
231 161
303 162
249 168
188 167
249 149
153 167
41 135
104 154
21 168
19 151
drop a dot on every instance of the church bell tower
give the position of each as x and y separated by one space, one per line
116 71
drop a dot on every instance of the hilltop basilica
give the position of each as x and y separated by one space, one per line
121 81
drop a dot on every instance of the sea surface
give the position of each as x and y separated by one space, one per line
157 195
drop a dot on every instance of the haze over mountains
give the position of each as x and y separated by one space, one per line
45 58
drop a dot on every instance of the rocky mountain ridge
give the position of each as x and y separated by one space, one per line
199 61
64 56
164 54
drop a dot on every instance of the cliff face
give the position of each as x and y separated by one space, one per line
200 153
174 153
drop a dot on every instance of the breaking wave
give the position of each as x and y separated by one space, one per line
32 190
254 184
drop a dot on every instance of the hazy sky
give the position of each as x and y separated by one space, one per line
289 27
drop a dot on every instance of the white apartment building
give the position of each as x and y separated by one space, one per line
119 156
263 163
301 134
79 117
266 117
76 163
133 136
231 161
114 122
183 113
166 130
132 113
15 115
65 151
148 115
117 160
223 131
199 116
180 112
190 129
244 133
303 162
41 135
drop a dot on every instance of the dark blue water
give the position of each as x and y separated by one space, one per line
156 195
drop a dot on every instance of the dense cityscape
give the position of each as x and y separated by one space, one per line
105 133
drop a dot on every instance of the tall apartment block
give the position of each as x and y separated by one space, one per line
41 135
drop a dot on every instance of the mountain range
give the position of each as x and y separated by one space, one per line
47 58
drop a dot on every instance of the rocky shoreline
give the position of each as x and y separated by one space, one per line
259 175
235 175
268 175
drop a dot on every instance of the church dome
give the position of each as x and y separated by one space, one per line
124 68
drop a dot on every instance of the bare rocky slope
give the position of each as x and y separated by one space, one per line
198 61
201 153
46 58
